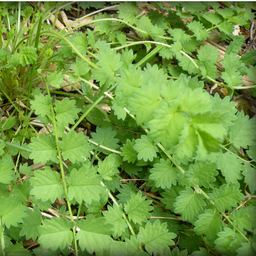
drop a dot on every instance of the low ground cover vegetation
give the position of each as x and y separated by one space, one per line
127 128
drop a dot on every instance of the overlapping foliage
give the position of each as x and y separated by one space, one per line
194 188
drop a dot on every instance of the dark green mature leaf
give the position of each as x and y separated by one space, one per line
250 177
226 196
209 224
127 12
145 148
138 208
6 170
43 149
75 146
55 233
156 238
94 234
80 42
31 223
46 185
129 154
189 204
164 174
11 211
198 29
84 185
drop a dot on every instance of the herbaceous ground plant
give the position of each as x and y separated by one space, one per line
120 129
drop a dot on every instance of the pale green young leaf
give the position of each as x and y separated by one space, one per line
202 173
226 27
249 58
225 12
104 27
75 146
138 208
212 17
252 152
118 107
134 246
129 81
27 55
244 218
230 166
105 136
156 238
144 24
242 133
55 233
201 252
232 62
84 185
6 170
167 124
31 223
43 149
55 79
250 177
11 211
187 64
164 174
209 224
94 234
4 53
66 111
127 12
179 35
41 105
108 167
208 69
110 62
145 148
46 185
80 67
189 204
114 216
129 154
79 40
198 29
235 46
144 101
208 53
228 242
226 196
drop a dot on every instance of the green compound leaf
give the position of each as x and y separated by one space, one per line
80 67
66 112
129 154
27 55
43 149
11 211
79 40
143 102
156 237
6 170
145 148
31 223
17 249
198 29
105 137
127 12
208 53
189 204
164 174
226 196
244 218
250 177
46 185
138 208
231 77
230 166
251 73
84 184
110 62
94 234
209 224
108 167
41 105
75 147
55 233
242 133
114 216
202 173
55 79
228 242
